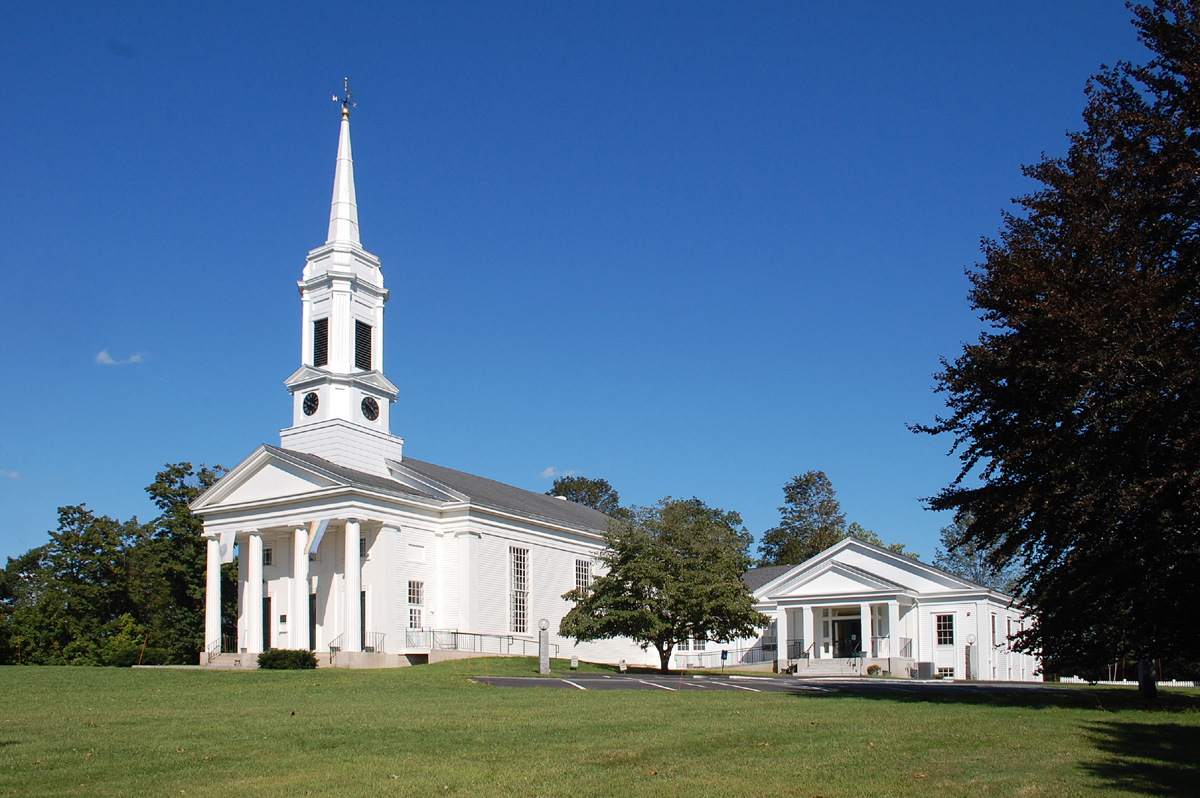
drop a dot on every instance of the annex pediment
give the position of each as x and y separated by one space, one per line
832 579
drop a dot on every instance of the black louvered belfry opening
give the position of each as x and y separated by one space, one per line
362 345
321 342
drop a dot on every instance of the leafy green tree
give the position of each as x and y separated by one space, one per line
672 572
812 521
959 554
171 562
595 493
855 530
1077 409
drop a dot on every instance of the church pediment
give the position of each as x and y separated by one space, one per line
262 477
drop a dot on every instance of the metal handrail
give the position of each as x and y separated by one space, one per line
454 640
212 650
335 645
373 642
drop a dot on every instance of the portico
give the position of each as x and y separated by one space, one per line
867 627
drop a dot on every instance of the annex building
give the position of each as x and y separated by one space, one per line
351 549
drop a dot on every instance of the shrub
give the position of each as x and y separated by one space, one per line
278 659
133 655
874 670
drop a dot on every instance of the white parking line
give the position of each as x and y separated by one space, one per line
576 686
739 687
659 686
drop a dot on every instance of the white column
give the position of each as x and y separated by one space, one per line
893 629
212 596
352 639
810 631
781 639
298 619
864 612
254 595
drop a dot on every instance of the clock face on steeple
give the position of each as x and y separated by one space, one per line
311 403
370 408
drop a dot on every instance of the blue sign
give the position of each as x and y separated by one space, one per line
724 655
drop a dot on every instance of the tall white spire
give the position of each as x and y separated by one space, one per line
343 213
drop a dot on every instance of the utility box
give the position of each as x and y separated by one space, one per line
924 670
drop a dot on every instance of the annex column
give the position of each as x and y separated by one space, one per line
781 640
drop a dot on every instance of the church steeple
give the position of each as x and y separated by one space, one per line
340 398
343 213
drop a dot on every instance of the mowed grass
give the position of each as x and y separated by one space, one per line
430 731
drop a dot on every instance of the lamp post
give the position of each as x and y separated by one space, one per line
543 646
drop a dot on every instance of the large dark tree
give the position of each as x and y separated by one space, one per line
959 554
672 572
1079 410
595 493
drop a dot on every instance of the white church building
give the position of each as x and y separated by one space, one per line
350 549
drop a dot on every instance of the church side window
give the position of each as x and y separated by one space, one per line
583 574
267 556
519 584
321 342
416 601
362 346
945 630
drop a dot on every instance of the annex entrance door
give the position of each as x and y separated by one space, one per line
266 622
847 638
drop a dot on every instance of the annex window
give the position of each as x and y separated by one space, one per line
946 673
945 630
685 645
362 346
416 600
583 574
518 559
268 559
321 342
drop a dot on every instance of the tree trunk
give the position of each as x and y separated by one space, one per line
1147 678
664 657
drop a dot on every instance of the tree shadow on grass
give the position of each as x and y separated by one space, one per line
1108 699
1147 758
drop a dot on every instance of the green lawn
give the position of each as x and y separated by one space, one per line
430 731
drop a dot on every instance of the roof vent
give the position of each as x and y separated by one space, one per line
561 498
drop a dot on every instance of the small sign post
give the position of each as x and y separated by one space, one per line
724 656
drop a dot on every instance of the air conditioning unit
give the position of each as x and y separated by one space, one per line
925 670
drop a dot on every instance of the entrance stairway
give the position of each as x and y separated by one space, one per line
816 668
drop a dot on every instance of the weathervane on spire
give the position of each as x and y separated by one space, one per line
347 99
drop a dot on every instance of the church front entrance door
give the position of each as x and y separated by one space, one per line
847 638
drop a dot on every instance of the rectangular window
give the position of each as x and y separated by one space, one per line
583 574
362 548
321 342
267 558
698 643
993 628
519 584
685 644
362 346
416 598
946 673
945 630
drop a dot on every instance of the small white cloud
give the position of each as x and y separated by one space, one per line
10 474
552 472
105 359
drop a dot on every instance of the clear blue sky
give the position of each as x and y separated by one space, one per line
694 249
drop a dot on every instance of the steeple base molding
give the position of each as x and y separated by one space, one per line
346 444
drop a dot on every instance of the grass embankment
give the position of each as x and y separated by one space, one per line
428 730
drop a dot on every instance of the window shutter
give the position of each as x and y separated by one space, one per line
362 346
321 342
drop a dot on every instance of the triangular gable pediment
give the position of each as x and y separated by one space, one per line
853 566
262 477
833 579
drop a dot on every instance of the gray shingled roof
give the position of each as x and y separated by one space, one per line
480 491
757 577
357 478
496 495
